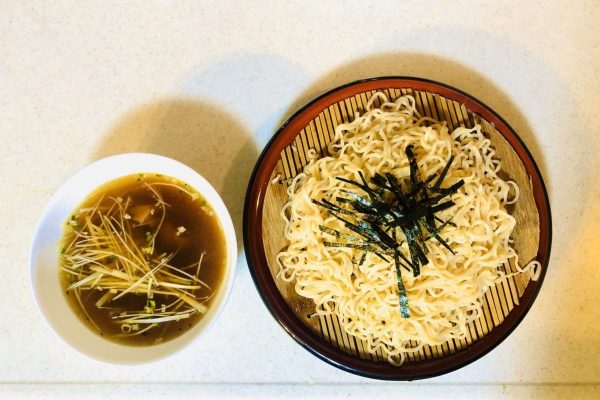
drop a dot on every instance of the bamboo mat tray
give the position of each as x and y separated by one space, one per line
313 127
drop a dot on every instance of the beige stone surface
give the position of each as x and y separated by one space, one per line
208 82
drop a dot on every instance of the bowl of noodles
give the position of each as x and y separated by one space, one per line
397 228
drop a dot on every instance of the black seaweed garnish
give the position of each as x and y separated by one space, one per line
374 216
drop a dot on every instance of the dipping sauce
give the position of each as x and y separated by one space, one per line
142 258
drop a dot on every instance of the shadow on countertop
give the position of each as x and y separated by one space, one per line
197 133
432 67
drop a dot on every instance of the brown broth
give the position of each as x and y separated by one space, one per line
203 233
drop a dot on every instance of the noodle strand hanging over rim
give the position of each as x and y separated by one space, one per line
446 296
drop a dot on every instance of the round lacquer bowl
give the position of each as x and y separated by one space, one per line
313 127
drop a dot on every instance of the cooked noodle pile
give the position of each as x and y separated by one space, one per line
447 295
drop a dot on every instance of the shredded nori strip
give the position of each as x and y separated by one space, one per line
375 218
402 297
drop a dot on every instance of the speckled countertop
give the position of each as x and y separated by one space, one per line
208 83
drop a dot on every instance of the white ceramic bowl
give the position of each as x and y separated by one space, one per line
44 257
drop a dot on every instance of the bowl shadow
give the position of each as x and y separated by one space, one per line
432 67
197 133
